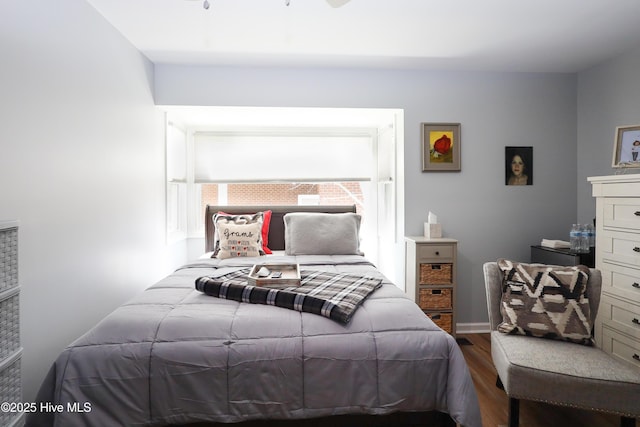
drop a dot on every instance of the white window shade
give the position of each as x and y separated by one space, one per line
233 157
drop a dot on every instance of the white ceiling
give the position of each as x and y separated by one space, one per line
496 35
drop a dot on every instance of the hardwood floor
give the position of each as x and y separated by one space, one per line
493 401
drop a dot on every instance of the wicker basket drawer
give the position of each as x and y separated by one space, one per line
9 322
10 386
435 299
443 320
8 258
435 274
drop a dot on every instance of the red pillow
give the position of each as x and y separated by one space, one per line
265 229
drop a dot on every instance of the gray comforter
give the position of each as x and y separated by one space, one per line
173 355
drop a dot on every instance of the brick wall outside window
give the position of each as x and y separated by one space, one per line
346 193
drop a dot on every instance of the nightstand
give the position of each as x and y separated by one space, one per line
559 256
430 278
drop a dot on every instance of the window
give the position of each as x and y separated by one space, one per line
230 163
286 166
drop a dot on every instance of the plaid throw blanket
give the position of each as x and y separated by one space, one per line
332 295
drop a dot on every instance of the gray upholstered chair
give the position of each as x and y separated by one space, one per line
559 372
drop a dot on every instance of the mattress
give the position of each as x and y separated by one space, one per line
174 355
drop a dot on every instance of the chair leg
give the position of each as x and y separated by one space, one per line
514 412
499 383
627 422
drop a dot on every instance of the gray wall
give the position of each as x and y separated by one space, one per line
490 219
81 168
608 96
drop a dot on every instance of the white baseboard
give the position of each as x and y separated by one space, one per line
473 328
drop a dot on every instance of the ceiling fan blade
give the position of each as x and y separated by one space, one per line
337 3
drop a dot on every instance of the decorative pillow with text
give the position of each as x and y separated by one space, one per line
266 223
238 236
545 301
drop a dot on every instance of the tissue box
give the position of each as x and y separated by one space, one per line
432 230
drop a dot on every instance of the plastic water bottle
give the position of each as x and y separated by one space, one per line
574 238
584 238
592 236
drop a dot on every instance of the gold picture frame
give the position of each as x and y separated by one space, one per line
626 149
440 147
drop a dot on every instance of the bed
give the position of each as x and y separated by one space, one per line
176 355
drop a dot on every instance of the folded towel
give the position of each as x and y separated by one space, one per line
556 244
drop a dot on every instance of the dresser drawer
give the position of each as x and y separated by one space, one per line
621 346
621 213
435 274
618 247
8 258
443 320
435 299
621 315
10 386
621 281
435 253
9 322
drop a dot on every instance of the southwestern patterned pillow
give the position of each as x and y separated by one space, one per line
545 301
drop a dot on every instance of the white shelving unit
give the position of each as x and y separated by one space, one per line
10 348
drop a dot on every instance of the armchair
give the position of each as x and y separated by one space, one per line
559 372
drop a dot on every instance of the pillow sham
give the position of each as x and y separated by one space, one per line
545 301
307 233
266 222
239 238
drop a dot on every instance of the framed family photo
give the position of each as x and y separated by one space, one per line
626 150
440 147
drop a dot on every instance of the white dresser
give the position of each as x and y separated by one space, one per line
618 258
10 349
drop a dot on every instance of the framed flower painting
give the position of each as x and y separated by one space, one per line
440 147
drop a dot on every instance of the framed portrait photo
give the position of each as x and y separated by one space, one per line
440 147
518 166
626 149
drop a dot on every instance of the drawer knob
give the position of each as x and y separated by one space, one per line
636 321
636 249
636 285
637 213
437 252
636 356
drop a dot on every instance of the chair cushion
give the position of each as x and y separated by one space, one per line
545 301
565 374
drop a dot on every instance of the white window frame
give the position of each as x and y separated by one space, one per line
175 186
389 188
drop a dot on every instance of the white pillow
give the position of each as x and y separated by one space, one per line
322 233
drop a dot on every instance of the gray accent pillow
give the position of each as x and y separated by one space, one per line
322 233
